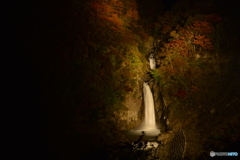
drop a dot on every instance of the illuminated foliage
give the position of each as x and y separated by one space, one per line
184 51
203 42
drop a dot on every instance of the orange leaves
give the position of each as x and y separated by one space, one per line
118 15
117 22
199 37
202 41
177 45
184 52
117 4
186 34
202 26
114 21
181 39
110 12
199 40
102 9
132 14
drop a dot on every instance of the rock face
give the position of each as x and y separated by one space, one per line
132 116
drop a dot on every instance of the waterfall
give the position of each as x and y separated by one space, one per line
149 120
149 123
152 62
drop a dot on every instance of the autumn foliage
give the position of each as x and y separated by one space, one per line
184 51
115 13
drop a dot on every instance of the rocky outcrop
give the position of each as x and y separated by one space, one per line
132 115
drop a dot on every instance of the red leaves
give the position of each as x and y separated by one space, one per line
109 12
202 26
202 41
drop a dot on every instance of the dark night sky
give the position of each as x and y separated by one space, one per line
169 3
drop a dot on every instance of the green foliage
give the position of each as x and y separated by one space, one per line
156 75
133 59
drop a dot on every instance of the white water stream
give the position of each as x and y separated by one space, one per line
149 120
149 123
152 62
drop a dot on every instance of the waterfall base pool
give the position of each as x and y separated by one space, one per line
150 134
148 128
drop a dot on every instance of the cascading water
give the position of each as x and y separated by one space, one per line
149 120
152 62
149 123
147 130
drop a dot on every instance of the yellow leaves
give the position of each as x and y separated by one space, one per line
174 34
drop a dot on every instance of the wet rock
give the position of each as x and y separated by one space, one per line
128 116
